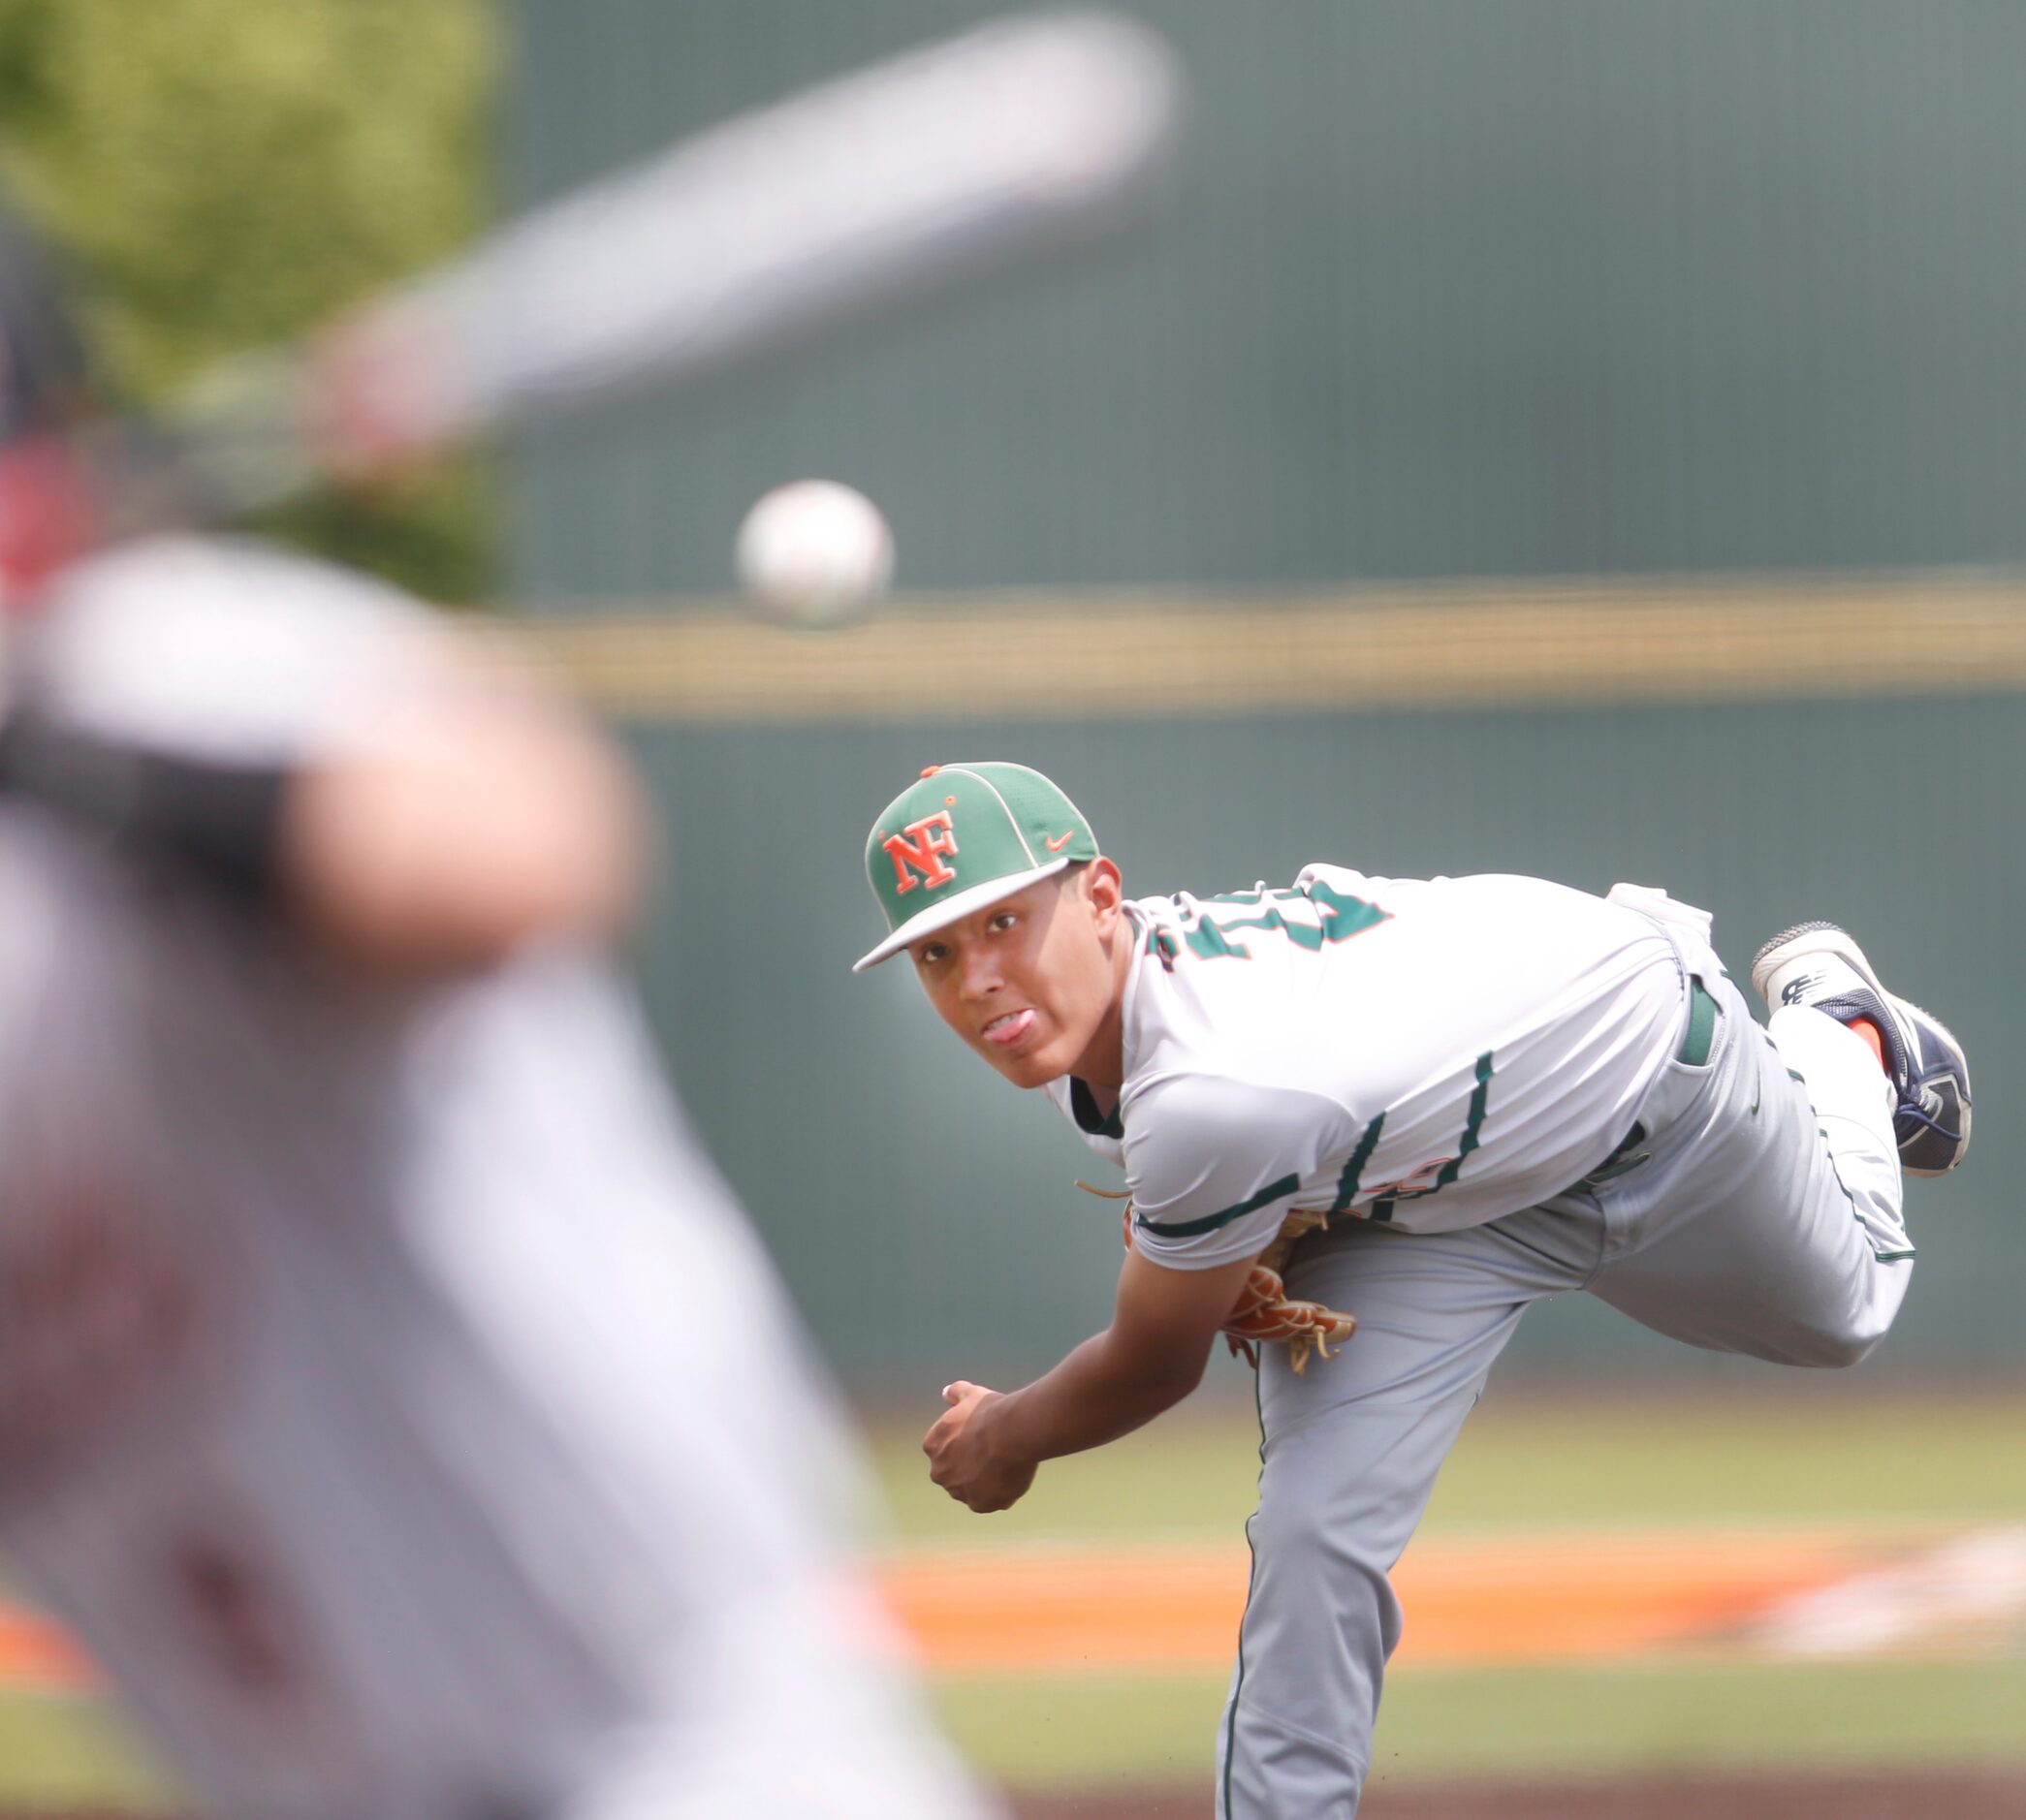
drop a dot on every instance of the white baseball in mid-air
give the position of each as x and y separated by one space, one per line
814 554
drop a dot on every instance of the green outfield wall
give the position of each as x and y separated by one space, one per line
1446 286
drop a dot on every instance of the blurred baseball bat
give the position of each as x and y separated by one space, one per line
883 188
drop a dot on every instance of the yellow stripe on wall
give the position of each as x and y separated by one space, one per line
1445 645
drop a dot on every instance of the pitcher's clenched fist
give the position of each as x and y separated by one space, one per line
965 1454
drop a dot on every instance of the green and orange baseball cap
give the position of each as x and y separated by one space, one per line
962 836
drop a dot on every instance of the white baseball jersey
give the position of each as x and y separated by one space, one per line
390 1394
1434 1053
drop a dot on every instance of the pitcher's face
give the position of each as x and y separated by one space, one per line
1031 981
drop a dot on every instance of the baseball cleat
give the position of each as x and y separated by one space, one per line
1819 964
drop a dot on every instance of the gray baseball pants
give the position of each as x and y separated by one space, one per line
1765 1220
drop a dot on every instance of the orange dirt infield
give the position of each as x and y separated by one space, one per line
1505 1601
1510 1601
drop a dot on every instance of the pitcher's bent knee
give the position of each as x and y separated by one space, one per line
1838 1350
1829 1344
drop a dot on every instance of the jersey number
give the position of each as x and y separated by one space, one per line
1338 918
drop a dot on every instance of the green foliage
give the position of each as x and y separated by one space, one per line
226 173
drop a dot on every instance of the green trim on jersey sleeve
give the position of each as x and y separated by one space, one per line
1210 1222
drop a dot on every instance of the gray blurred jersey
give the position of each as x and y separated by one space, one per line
391 1396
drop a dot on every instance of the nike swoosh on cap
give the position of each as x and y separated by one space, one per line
1055 843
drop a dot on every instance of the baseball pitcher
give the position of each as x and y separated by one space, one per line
1378 1118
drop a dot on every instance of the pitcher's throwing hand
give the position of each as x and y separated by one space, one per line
963 1457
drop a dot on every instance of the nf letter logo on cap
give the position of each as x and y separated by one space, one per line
917 851
963 837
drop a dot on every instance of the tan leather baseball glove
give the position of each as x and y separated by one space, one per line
1264 1311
